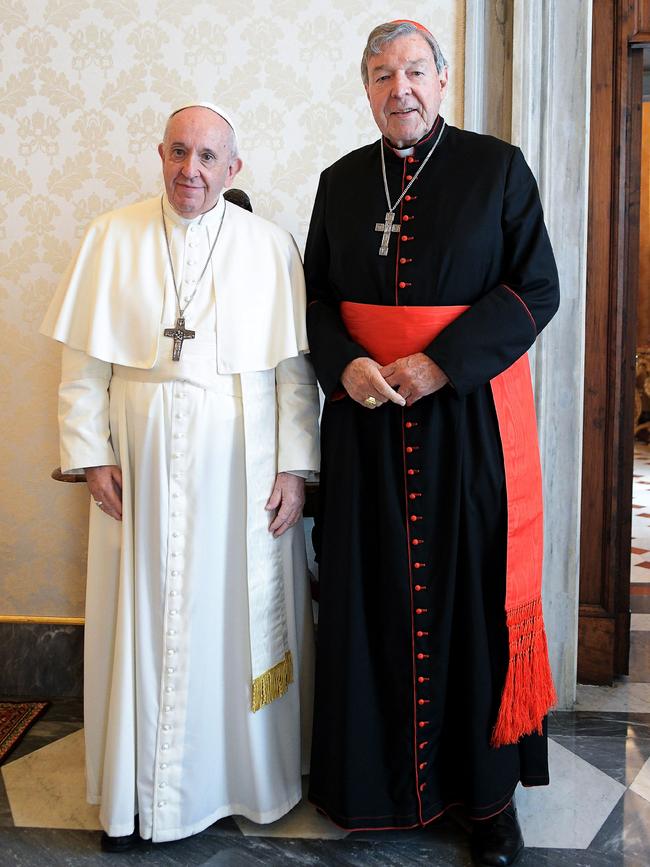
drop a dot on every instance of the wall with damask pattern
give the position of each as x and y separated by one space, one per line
85 88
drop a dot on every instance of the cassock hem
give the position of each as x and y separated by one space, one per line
255 816
410 821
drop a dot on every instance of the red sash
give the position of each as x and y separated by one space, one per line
388 333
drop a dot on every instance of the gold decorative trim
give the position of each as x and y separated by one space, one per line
35 618
273 683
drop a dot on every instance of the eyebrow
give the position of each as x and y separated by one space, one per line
420 61
182 144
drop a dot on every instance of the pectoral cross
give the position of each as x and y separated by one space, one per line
179 333
386 227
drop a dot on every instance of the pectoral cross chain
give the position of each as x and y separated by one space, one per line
386 227
180 333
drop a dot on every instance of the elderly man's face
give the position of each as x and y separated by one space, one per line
405 89
197 160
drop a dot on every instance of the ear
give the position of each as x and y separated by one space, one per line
161 151
444 80
233 169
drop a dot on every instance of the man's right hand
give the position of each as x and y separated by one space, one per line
362 379
105 485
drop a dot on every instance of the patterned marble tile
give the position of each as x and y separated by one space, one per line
641 784
626 833
640 604
620 758
559 815
6 819
303 821
623 696
639 662
640 623
46 789
610 724
42 848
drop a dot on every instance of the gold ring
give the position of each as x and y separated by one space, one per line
370 402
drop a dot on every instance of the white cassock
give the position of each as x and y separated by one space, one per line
189 598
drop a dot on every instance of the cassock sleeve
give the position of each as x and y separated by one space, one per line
331 347
503 324
84 431
298 410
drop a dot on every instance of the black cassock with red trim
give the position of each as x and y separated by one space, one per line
411 531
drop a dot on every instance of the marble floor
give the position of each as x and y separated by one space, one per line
596 813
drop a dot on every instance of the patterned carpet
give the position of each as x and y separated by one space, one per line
15 719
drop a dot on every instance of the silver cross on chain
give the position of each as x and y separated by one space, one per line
389 224
387 227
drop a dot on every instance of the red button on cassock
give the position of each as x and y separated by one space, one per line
419 634
412 496
418 587
415 542
420 679
422 765
409 177
409 449
414 518
421 724
420 656
423 786
423 745
407 198
406 218
410 159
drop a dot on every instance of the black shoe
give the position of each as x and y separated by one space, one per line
121 844
497 842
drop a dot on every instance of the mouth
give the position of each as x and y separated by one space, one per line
403 112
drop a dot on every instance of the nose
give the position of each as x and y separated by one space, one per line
401 85
190 165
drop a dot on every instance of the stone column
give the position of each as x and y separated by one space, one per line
551 63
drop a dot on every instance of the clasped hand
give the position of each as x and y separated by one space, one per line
403 382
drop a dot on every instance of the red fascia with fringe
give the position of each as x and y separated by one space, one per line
388 333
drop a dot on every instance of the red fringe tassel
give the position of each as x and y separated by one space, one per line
528 692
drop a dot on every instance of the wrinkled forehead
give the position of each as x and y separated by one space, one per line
198 124
411 49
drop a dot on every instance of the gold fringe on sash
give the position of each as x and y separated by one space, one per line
273 683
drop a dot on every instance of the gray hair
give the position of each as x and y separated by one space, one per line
384 33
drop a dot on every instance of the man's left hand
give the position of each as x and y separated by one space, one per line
288 497
414 376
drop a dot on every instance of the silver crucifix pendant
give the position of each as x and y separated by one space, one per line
386 227
179 334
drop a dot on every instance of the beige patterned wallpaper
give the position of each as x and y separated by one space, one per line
85 88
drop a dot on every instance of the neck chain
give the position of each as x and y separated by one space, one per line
389 224
179 333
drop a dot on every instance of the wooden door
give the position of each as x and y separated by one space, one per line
620 29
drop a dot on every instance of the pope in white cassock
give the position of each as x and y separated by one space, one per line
188 400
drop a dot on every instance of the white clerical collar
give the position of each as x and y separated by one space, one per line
404 152
208 219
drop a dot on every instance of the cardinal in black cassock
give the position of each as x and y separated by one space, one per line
432 681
